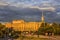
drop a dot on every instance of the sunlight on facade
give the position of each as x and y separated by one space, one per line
21 25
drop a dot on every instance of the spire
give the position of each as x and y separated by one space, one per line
42 18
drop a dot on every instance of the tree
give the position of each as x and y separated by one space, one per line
11 33
8 32
49 29
45 28
56 28
2 28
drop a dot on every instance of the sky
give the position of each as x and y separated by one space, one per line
29 10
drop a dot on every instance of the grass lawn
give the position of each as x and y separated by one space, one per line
39 38
32 38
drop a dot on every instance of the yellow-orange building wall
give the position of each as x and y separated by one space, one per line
21 25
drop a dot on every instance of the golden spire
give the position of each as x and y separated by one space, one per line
42 18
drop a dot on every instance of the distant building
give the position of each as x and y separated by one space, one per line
22 25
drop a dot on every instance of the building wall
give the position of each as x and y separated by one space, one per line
21 25
8 25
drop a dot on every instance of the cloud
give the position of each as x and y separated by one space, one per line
29 14
28 2
28 10
23 5
3 3
44 8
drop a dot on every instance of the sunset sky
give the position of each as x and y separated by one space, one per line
29 10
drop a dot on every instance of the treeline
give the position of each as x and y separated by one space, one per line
8 33
49 28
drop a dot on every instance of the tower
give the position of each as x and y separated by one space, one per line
42 18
